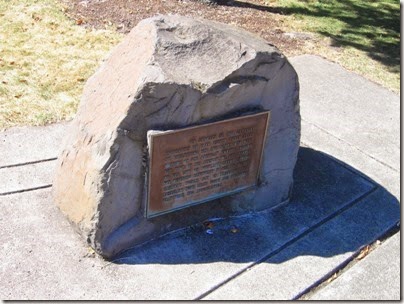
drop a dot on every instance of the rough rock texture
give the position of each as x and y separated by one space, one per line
171 72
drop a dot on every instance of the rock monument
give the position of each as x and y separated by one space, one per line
186 120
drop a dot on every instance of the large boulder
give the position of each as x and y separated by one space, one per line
168 73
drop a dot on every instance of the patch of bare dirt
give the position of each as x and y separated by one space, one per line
252 15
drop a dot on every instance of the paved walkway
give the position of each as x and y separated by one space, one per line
347 186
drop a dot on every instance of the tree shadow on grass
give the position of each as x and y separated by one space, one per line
334 209
367 26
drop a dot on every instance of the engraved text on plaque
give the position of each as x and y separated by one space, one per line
198 164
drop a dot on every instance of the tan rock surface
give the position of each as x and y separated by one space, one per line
171 72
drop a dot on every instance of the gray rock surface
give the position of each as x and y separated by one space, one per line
171 72
47 261
290 247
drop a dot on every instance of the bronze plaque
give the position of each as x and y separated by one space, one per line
197 164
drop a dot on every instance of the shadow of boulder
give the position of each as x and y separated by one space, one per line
334 207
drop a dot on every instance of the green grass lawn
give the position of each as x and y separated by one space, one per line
45 59
362 35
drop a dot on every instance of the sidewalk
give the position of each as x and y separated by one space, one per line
347 187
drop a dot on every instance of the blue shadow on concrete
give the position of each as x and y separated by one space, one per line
334 208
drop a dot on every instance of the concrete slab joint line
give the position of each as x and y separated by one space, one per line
26 190
382 265
334 211
31 144
289 243
358 112
347 143
350 158
335 273
28 163
29 177
266 280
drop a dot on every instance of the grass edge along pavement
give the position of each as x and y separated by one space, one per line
45 59
362 36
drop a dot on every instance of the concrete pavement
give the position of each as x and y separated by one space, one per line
345 197
381 265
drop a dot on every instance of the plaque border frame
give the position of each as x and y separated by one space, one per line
214 196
